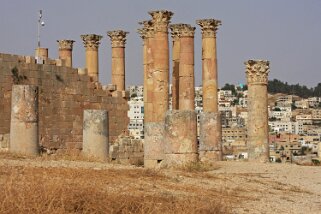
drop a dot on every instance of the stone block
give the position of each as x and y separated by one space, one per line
154 141
172 160
210 132
180 132
210 156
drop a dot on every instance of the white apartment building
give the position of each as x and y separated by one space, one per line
289 127
136 117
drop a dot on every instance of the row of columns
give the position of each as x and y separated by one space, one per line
91 43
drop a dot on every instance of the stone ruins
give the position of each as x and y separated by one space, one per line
47 106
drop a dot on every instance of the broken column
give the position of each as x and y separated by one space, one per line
41 54
91 43
158 73
24 120
65 51
95 135
118 41
257 129
175 63
210 143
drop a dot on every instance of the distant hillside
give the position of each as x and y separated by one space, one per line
277 86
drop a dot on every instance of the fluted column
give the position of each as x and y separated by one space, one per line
257 128
91 43
65 51
160 20
209 63
175 63
186 68
118 41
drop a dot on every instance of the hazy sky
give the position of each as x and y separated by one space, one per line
286 32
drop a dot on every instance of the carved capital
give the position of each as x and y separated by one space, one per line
118 38
161 19
91 41
148 27
209 26
187 31
65 44
142 33
257 71
176 30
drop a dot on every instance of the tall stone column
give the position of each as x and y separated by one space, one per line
210 142
95 135
118 41
160 20
24 120
175 32
65 51
186 69
209 63
91 43
257 129
147 33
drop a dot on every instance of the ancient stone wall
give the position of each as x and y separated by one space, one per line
63 96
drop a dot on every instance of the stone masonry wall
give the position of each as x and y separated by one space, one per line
63 95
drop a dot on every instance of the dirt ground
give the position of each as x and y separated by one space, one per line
241 187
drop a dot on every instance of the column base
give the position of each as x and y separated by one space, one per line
210 156
173 160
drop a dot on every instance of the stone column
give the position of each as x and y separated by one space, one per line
65 51
209 63
41 53
160 20
175 32
146 34
257 128
91 43
186 69
210 143
24 120
95 135
118 41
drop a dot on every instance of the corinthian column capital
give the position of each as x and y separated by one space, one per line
257 71
161 19
176 30
187 31
91 41
118 38
209 26
65 44
148 28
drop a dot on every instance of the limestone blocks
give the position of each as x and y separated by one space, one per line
180 137
118 41
24 120
91 43
257 130
95 135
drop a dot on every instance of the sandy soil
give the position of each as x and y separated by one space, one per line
244 187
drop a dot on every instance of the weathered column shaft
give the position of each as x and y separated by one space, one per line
209 64
91 43
41 53
95 134
186 69
257 128
65 51
118 41
24 120
147 34
210 142
175 63
160 48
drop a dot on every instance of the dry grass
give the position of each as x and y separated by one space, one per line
66 190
